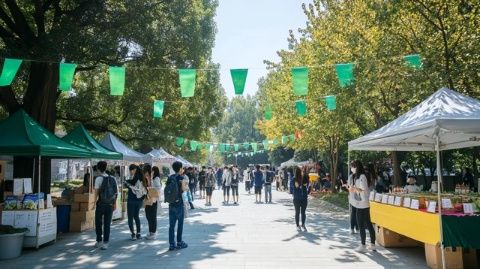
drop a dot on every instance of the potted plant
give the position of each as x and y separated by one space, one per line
11 241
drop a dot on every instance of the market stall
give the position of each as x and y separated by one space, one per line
23 136
184 161
445 120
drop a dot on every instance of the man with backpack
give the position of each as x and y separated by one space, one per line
174 188
258 182
106 192
269 175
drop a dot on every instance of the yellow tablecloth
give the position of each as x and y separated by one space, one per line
418 225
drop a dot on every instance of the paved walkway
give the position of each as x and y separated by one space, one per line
246 236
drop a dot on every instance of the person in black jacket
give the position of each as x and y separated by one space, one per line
467 178
300 191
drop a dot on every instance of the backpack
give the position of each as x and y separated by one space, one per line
269 177
172 190
108 191
235 178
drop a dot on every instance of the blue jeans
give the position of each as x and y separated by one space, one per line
268 193
133 212
175 213
103 217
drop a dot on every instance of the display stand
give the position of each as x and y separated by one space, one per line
41 224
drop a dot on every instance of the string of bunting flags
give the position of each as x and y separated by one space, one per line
187 81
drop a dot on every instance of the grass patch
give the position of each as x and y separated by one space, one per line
339 199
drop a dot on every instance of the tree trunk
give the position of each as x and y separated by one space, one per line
475 153
39 101
397 179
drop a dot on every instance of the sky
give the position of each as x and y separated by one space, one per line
251 31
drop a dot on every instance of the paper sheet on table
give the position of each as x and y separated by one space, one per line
49 201
27 185
17 186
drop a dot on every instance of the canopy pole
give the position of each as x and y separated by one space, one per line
440 183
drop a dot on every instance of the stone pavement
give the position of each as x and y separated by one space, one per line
245 236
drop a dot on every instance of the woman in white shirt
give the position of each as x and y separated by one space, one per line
152 180
360 193
411 186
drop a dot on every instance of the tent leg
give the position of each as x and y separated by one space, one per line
348 163
439 194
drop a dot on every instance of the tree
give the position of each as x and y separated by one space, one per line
151 38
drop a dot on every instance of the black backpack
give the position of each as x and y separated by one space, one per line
172 190
234 178
269 177
108 191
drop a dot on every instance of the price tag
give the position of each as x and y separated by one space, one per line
391 199
446 203
378 197
415 204
407 201
398 201
432 206
384 199
372 196
468 208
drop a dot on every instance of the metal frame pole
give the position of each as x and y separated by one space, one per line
440 184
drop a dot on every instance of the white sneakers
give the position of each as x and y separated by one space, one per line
150 236
101 245
363 248
104 246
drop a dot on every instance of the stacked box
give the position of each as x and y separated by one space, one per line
453 257
82 215
387 238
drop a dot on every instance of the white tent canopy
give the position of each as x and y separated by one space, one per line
161 156
184 161
453 117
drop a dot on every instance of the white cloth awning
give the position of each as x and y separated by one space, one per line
454 117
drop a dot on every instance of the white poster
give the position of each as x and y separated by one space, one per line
17 186
432 205
27 185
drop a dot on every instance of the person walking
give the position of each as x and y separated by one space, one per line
136 195
201 181
219 176
154 186
106 192
258 179
248 179
173 191
191 180
300 190
234 184
360 192
226 183
209 186
187 195
269 176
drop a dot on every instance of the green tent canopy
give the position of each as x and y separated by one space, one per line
23 136
81 138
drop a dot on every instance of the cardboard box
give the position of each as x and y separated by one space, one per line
84 198
453 257
81 226
82 216
470 259
86 206
387 238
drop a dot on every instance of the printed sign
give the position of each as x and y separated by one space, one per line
384 199
398 201
432 206
415 204
378 197
407 201
391 199
468 208
446 203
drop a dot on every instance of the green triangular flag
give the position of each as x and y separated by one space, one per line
187 79
300 80
413 61
254 147
222 147
67 71
268 113
193 145
158 108
9 70
284 139
239 77
117 80
227 147
331 102
345 74
265 144
301 107
179 141
246 145
275 141
291 137
236 147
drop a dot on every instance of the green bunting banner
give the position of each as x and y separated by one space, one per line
265 144
236 147
227 147
291 137
117 80
301 107
413 61
300 80
331 102
9 70
179 141
345 74
268 113
193 145
275 141
67 71
158 107
239 77
254 147
199 146
246 146
187 79
284 139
